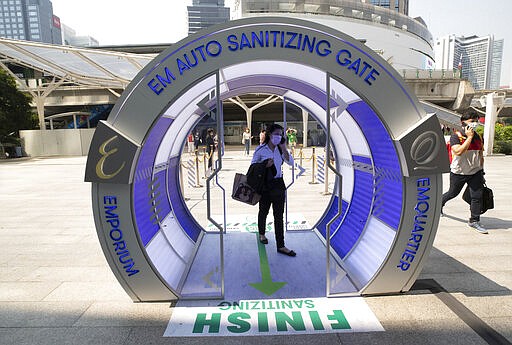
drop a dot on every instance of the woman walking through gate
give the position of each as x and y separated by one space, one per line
274 152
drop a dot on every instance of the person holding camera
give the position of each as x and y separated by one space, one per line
274 152
467 167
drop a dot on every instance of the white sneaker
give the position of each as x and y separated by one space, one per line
478 227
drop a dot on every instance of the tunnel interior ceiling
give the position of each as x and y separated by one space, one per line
372 119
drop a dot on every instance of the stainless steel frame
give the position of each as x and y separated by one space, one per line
219 118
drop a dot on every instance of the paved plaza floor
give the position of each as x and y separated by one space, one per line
56 286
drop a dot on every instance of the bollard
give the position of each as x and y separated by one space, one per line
181 181
210 156
326 181
313 170
301 154
205 155
197 169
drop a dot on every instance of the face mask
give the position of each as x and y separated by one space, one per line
276 139
473 124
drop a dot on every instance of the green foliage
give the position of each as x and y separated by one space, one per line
480 131
498 132
503 146
503 139
15 111
506 133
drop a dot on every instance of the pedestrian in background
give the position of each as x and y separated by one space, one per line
210 148
246 140
197 139
190 143
467 167
262 137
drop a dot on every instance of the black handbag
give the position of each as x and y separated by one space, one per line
243 192
487 198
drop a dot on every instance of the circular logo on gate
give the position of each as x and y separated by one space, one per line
425 148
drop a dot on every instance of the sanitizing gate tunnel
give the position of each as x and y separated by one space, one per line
381 220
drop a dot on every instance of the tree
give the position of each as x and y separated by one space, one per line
15 111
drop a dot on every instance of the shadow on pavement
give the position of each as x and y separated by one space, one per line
487 222
454 276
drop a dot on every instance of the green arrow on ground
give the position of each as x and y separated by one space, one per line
267 286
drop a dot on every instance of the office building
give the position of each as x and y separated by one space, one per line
205 13
401 6
478 58
31 20
69 37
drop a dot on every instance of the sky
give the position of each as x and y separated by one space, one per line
467 18
124 22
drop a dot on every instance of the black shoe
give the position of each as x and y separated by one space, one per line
286 251
263 240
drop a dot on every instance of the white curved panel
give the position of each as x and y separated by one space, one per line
313 76
343 92
355 136
367 256
181 243
203 88
173 140
170 266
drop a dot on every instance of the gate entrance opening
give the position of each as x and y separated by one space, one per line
385 152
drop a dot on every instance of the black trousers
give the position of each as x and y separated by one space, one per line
475 183
275 196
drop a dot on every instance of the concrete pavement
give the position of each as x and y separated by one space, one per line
56 287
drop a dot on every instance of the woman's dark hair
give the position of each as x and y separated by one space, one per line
269 131
469 116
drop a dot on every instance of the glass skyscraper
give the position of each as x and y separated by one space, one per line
478 58
30 20
205 13
401 6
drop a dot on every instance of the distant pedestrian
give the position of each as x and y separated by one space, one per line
190 143
210 148
467 167
262 137
197 140
246 140
291 133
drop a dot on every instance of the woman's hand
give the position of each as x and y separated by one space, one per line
470 132
270 162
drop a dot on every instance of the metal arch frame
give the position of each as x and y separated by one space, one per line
130 128
219 118
340 186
